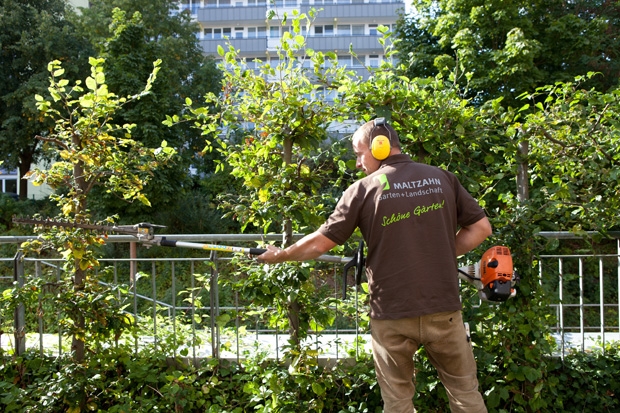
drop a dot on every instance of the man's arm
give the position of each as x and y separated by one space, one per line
309 247
469 237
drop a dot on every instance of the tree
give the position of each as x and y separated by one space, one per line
573 155
281 155
91 150
130 34
32 33
505 48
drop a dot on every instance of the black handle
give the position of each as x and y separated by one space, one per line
358 263
345 275
257 251
167 243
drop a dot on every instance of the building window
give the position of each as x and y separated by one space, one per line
257 32
256 64
372 29
345 61
344 30
274 32
238 32
358 30
191 5
8 180
217 33
307 63
327 30
9 185
330 95
373 60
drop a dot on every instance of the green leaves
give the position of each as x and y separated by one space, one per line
93 151
506 48
284 119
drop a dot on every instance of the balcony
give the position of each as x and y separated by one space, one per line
358 11
230 15
248 47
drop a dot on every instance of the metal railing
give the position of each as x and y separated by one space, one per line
585 294
182 302
189 310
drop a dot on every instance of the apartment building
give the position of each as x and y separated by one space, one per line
339 24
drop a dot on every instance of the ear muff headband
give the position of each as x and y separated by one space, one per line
380 147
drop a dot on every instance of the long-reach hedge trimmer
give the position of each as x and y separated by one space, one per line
145 234
493 276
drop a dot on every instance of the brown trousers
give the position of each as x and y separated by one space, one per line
394 343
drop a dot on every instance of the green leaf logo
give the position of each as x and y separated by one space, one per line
384 181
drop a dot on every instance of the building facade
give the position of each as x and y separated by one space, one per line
339 25
8 181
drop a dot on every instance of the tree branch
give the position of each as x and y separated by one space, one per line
52 140
594 128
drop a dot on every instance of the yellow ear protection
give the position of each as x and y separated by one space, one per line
380 146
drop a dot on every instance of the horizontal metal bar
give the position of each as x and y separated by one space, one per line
17 239
582 256
572 235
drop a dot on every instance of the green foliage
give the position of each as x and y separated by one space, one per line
130 35
283 163
92 150
297 298
116 380
90 146
586 382
504 48
276 153
580 128
32 33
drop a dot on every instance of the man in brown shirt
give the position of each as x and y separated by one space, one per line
416 219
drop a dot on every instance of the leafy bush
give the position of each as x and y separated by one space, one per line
587 382
117 380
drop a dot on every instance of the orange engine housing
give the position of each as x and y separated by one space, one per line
496 273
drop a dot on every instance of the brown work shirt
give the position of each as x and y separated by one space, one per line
408 214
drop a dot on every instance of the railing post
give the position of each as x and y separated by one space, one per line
214 303
20 311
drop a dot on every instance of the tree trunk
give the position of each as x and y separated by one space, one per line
523 193
25 162
77 342
79 276
287 239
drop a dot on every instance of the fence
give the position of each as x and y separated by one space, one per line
185 305
183 302
585 294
